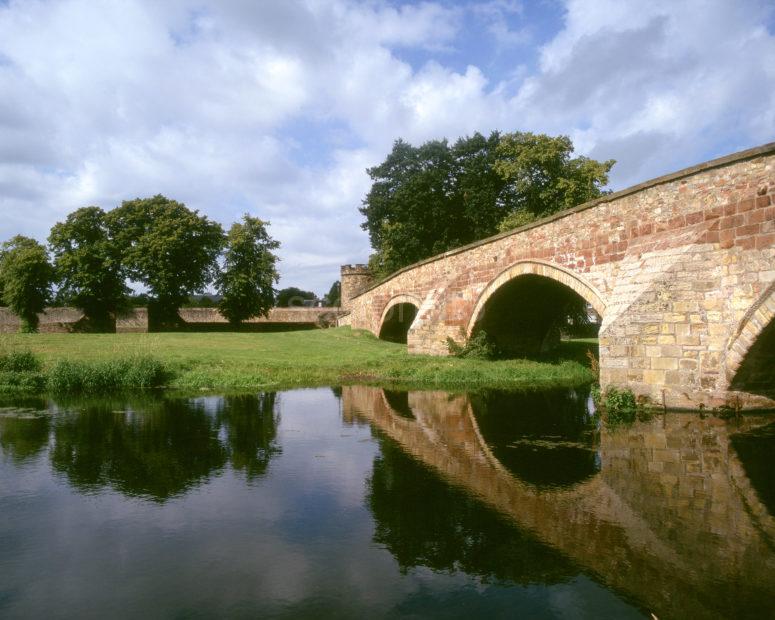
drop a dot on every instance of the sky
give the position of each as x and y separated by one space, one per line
277 107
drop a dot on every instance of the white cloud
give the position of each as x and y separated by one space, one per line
657 85
278 108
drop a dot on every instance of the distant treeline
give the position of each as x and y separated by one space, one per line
158 243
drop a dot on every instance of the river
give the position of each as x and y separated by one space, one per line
363 502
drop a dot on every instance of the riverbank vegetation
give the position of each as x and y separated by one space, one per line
252 361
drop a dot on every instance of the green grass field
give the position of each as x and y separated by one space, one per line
340 356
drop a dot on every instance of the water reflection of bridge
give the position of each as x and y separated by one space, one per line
671 518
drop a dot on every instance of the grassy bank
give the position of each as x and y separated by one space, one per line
247 361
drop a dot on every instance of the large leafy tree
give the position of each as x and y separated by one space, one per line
249 275
25 279
88 266
408 214
428 199
481 194
544 177
167 247
432 198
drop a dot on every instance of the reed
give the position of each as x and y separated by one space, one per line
139 372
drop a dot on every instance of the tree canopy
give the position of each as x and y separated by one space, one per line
429 199
156 242
333 298
168 248
88 266
25 279
292 296
249 273
543 175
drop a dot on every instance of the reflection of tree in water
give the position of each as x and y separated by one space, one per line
160 448
545 438
424 521
23 435
251 426
158 452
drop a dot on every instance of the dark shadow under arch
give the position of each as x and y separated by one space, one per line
756 373
397 321
527 315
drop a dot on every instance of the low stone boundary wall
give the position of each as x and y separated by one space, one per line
323 317
52 320
67 320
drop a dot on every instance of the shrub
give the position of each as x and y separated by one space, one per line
621 406
20 361
12 382
20 371
596 394
478 346
594 364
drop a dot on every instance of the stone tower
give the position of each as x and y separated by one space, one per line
354 279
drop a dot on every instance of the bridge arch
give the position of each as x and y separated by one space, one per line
397 318
539 268
750 361
539 281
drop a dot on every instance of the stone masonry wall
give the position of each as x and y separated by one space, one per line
65 320
312 316
353 280
676 265
52 320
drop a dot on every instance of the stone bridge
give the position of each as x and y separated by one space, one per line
681 269
671 518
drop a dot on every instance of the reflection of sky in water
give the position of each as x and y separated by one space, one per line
296 541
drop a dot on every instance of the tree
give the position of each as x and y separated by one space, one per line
515 219
408 209
25 279
292 296
168 248
200 301
88 267
544 176
249 273
483 195
333 298
429 199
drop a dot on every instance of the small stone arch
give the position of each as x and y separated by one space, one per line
403 298
539 268
393 303
751 327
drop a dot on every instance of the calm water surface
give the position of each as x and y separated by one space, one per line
363 502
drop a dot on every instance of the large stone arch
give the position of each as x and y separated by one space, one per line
751 327
539 268
392 304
